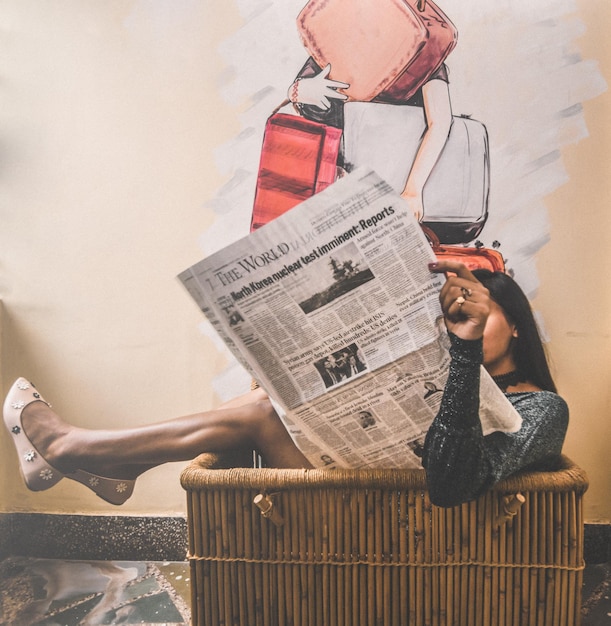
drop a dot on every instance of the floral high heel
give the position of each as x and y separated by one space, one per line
37 473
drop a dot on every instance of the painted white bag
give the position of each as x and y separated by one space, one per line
386 138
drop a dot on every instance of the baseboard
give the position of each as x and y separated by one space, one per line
124 538
93 537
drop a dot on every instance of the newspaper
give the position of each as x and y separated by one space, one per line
332 309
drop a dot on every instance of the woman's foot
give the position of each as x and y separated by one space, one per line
45 444
39 474
65 447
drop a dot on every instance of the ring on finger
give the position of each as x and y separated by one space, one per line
465 292
460 300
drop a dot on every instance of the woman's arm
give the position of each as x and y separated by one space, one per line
438 114
454 455
454 458
460 462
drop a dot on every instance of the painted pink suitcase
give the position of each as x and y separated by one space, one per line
385 49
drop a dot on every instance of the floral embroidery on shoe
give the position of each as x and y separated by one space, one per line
121 487
16 430
94 481
18 405
30 455
46 474
23 385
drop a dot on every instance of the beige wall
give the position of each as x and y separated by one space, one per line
107 159
575 297
106 142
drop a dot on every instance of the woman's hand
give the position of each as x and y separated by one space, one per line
465 302
317 90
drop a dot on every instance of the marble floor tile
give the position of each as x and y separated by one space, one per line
47 592
596 596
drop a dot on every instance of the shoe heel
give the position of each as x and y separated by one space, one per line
112 490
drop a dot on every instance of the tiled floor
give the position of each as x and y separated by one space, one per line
44 592
596 605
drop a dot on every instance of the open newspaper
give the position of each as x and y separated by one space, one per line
332 309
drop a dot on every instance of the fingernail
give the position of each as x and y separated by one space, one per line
433 266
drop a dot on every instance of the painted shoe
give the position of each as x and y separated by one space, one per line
37 473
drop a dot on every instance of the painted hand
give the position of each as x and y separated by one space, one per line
414 201
318 90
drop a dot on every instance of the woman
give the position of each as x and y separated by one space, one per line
460 462
490 321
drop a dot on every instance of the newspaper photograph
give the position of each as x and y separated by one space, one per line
333 311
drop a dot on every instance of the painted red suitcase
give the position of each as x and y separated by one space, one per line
475 258
298 159
383 48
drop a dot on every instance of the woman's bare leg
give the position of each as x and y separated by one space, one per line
246 422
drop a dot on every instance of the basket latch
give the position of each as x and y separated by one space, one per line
510 506
265 503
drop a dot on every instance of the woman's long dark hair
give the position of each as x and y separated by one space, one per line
528 351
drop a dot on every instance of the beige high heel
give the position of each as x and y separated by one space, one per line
37 473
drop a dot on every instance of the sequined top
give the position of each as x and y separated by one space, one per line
460 462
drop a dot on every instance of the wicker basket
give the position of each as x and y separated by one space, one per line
366 547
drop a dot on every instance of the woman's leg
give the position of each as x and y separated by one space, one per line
246 422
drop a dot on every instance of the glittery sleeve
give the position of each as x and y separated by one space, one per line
460 462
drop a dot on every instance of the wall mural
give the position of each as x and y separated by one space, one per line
464 108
